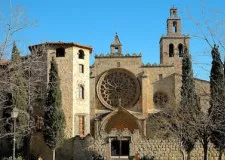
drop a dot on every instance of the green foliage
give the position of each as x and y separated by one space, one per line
189 109
145 157
217 108
97 157
18 158
19 94
54 120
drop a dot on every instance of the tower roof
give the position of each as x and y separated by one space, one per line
116 41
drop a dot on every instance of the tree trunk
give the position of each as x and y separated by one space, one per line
53 154
27 147
205 149
188 155
220 155
183 154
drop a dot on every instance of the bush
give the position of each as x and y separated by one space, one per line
18 158
97 157
147 157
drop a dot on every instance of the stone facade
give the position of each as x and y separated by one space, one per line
158 88
113 99
85 148
73 68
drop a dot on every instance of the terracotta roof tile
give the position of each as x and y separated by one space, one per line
65 43
4 61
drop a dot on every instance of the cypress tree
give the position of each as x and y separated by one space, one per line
189 108
19 94
54 120
217 106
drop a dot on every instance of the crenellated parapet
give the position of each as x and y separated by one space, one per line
113 55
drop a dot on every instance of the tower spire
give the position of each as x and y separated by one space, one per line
116 46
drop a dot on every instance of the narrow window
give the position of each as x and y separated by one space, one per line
160 76
171 50
174 26
116 50
81 125
81 54
180 50
118 64
81 92
60 52
174 14
81 68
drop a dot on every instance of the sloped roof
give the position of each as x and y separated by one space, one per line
64 43
116 41
4 61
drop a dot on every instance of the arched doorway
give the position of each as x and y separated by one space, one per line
115 125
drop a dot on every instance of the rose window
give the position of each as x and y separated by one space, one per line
160 99
118 88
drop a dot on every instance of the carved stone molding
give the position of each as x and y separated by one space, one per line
118 88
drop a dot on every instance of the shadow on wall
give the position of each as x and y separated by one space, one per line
76 148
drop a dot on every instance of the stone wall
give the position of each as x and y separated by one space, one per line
85 148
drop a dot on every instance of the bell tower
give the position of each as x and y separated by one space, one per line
116 46
173 44
173 23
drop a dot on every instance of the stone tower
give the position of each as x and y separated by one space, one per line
73 68
172 44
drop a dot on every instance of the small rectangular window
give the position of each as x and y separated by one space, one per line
81 68
118 64
160 76
60 52
81 125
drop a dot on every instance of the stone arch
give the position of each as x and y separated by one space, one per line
81 54
121 119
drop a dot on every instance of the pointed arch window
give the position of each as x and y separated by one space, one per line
81 54
81 92
171 50
180 50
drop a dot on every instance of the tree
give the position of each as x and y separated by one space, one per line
183 119
19 90
10 26
54 121
33 68
189 108
217 108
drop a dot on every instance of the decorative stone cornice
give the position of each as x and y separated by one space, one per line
110 55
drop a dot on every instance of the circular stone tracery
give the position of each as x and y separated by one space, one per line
118 87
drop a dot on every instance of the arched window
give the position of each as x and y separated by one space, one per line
81 92
180 50
60 52
81 54
175 26
171 50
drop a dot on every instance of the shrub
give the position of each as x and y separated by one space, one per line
97 157
145 157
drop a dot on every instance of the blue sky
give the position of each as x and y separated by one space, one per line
139 25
